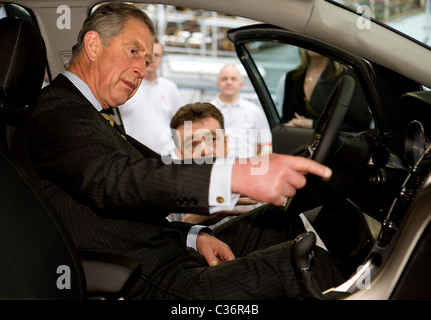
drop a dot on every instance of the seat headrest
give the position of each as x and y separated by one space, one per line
22 62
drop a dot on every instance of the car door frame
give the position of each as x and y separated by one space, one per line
282 136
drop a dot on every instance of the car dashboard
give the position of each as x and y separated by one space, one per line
396 264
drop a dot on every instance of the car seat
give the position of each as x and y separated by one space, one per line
38 259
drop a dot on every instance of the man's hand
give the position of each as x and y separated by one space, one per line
273 178
214 250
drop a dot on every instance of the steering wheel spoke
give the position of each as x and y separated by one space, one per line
327 130
311 148
328 127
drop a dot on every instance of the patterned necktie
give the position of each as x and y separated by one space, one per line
112 123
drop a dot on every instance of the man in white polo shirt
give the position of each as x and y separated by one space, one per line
245 123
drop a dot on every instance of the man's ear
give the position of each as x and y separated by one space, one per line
92 42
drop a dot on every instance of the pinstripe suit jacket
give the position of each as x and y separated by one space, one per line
112 194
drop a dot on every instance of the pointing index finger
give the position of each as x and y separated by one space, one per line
310 166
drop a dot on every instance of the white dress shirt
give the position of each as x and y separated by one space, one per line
221 173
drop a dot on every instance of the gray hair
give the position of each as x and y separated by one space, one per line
108 21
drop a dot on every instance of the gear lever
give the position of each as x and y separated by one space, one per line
302 255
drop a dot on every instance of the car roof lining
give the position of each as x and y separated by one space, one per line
315 18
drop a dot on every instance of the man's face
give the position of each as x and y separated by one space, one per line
157 58
121 65
229 81
203 138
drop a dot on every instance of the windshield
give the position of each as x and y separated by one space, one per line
411 17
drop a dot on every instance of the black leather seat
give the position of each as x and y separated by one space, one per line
22 68
37 257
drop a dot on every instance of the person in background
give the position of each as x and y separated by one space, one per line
198 132
245 123
308 87
147 114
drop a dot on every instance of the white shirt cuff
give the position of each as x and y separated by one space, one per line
220 196
193 234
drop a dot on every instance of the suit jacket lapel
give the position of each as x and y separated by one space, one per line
144 150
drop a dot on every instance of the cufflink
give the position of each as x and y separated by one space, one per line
220 199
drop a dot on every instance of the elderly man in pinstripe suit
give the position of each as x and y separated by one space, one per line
113 193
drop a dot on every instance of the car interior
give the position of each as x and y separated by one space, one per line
33 239
373 215
369 168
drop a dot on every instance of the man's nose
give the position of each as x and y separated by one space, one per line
203 149
206 150
140 68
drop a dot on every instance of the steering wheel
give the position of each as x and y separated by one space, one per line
328 127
